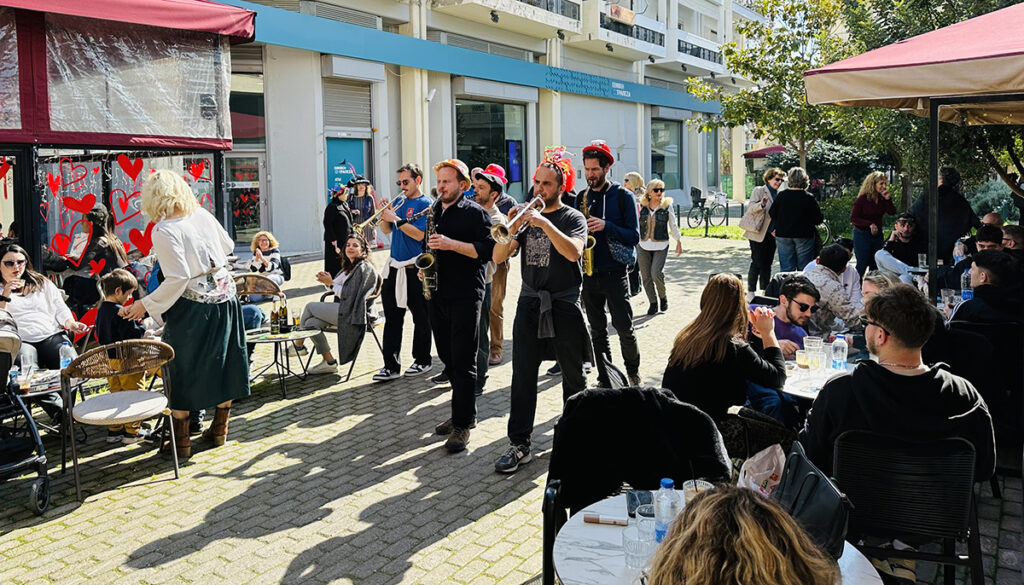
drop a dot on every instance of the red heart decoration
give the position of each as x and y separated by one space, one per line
208 205
127 246
142 241
239 175
83 205
196 170
61 242
123 202
53 182
243 197
6 166
44 210
235 212
89 318
95 267
71 173
132 168
96 170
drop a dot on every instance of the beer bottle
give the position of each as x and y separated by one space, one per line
283 314
275 320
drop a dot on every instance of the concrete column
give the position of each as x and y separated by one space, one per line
739 167
549 115
642 138
415 108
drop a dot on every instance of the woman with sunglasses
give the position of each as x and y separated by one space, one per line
38 308
657 225
762 242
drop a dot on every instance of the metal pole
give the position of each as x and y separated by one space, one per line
933 195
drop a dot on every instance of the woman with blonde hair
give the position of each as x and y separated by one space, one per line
710 363
197 302
266 257
762 242
657 225
734 536
635 183
872 202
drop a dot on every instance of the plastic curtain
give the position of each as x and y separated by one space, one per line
10 97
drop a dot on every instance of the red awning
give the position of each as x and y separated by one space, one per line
763 152
197 15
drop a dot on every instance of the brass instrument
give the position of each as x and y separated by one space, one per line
427 261
375 218
588 249
500 232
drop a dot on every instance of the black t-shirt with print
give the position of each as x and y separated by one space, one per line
543 268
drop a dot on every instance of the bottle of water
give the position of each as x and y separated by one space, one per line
959 252
667 506
966 292
839 350
12 379
66 355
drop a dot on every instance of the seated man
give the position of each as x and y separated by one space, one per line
997 291
797 302
834 302
899 254
1013 244
989 219
850 277
988 237
899 395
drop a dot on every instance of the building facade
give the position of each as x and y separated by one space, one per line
342 87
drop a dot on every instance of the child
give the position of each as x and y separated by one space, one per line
118 286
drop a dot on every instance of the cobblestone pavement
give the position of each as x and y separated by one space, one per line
346 483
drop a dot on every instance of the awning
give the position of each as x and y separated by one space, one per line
197 15
763 152
980 56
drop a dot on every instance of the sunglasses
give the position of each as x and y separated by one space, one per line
865 322
776 179
657 190
403 182
805 307
13 263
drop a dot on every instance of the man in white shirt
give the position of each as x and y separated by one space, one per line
835 301
850 279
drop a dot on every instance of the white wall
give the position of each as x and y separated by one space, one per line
587 118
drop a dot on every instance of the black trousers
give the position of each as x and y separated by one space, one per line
394 320
611 288
528 352
332 261
762 254
456 325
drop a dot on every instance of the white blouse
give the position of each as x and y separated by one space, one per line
40 314
192 251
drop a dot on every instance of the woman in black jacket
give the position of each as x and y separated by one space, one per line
795 215
337 227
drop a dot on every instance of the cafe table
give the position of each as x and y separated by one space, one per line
281 362
806 383
591 554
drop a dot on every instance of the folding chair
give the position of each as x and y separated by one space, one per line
372 320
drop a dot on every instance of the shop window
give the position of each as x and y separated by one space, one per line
10 96
493 132
666 150
711 149
248 124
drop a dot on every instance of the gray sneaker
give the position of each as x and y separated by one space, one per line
417 369
514 456
458 440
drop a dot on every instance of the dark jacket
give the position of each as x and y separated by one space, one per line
992 304
459 276
932 405
608 437
795 213
337 222
956 218
111 327
617 206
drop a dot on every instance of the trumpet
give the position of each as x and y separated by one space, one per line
501 233
375 218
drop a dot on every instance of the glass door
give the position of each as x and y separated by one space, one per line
244 189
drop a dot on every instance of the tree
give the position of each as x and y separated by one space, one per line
773 56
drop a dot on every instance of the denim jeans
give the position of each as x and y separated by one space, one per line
888 263
864 247
794 253
781 407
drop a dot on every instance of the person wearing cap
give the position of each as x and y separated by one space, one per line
361 204
490 185
548 317
613 221
337 227
402 289
899 254
459 236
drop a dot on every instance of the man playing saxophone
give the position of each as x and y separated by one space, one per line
548 315
461 244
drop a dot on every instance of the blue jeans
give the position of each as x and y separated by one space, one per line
794 253
781 407
864 247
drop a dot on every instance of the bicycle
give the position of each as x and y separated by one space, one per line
824 233
714 214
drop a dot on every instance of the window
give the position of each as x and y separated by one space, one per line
666 150
493 132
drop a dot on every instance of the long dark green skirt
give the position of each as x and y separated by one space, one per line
210 364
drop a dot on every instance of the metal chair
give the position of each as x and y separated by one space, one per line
116 408
372 320
912 491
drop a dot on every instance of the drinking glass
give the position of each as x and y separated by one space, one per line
645 520
637 548
801 359
813 343
692 487
295 322
816 361
922 261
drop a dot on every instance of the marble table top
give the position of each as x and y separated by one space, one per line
804 383
591 554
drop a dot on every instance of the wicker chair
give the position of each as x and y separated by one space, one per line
257 284
117 407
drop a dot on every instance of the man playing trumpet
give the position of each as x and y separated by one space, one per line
548 315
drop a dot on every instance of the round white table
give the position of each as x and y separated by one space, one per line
591 554
804 383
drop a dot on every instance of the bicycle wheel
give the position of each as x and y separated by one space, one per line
825 233
695 217
717 214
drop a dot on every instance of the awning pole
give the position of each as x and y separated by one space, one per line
933 195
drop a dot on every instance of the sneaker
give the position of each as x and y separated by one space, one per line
555 370
458 440
479 391
441 378
494 359
128 439
664 305
653 310
514 456
445 428
323 368
587 366
114 436
634 378
385 374
293 352
417 369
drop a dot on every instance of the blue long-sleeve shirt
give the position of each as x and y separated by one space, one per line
621 222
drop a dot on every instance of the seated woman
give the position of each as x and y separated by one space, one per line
266 258
351 286
104 252
732 535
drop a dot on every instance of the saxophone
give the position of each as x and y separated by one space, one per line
588 249
427 261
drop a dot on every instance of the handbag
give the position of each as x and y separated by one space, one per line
814 501
752 221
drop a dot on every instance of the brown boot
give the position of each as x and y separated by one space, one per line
182 442
218 430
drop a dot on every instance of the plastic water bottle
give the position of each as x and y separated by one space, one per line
12 379
839 350
667 506
959 252
966 292
66 355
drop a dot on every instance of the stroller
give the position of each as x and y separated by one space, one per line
21 448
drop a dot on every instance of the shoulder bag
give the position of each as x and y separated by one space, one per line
621 253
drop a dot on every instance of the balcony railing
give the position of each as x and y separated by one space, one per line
700 52
636 31
560 7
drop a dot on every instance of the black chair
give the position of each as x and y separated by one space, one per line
775 284
916 492
666 438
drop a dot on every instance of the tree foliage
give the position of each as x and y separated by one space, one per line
838 164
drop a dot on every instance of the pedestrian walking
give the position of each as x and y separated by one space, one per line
657 226
757 226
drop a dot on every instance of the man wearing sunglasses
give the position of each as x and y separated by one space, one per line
834 301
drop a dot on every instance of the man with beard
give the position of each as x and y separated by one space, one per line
612 220
458 235
548 315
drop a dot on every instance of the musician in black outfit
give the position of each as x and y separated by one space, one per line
458 235
337 227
